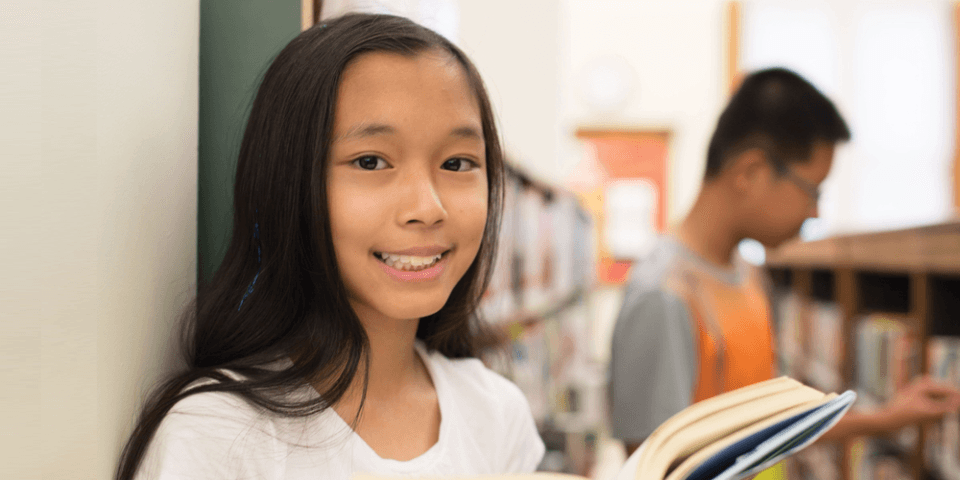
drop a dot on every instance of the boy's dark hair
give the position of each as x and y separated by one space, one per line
776 110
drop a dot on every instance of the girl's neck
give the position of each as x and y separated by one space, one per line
394 362
401 412
395 367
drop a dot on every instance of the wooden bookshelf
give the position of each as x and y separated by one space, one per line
912 275
928 249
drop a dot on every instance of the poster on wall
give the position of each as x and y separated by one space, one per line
629 210
628 195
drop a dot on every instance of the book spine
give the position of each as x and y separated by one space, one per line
942 454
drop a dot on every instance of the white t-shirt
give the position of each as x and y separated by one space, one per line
628 471
486 428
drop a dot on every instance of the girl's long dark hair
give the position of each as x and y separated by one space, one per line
281 236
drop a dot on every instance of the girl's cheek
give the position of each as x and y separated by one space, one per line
478 211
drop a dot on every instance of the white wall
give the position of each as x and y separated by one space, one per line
98 104
516 46
674 50
535 55
890 68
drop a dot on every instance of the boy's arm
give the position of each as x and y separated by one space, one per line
652 364
923 400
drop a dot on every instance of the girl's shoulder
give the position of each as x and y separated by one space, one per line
214 434
214 404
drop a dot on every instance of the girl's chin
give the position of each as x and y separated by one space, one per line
412 312
417 313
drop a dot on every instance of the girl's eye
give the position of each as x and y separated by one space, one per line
459 165
370 163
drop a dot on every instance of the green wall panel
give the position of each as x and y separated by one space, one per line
238 39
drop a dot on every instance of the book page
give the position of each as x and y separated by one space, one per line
700 410
709 429
695 460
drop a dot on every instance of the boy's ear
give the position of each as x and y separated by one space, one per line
748 168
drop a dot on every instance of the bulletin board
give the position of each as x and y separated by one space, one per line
629 205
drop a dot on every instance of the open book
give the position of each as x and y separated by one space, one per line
737 434
730 436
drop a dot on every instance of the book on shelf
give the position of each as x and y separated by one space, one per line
819 462
823 367
886 356
731 436
880 459
943 438
790 351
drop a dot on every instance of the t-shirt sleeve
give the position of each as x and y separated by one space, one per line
527 446
652 364
213 436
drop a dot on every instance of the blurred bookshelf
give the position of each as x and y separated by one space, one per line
870 312
538 303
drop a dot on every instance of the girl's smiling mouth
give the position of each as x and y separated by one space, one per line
408 263
414 264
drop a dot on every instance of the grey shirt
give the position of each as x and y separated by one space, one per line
653 364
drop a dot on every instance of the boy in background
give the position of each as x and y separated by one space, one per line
696 319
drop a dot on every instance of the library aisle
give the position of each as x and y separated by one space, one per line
865 312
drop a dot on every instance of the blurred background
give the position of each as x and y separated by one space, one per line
121 123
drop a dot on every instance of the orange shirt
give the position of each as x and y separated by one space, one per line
733 328
687 330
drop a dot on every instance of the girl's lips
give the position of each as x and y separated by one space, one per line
424 275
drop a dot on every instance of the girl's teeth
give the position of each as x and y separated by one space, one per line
408 262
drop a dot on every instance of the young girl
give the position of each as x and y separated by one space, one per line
337 336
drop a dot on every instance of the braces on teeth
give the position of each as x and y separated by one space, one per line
408 262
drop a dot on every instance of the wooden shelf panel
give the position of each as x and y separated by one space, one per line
934 249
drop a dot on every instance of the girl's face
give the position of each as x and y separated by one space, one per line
406 181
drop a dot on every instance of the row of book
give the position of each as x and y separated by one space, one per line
886 355
816 362
870 458
545 252
880 459
942 453
789 334
887 358
824 360
539 294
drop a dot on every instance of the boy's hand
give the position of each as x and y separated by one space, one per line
924 400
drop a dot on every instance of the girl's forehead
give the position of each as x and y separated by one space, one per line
376 71
381 70
429 89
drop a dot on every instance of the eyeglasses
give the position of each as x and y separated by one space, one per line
811 190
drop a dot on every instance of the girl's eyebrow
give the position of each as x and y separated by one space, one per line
467 131
366 130
376 129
